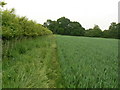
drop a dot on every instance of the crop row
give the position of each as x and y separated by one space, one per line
88 62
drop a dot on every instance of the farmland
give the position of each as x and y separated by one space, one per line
57 61
88 62
59 53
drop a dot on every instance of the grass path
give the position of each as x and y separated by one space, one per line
31 64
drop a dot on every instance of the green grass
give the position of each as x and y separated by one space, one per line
88 62
30 63
60 62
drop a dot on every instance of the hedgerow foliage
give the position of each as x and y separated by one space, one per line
15 26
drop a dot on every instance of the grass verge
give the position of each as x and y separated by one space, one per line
30 63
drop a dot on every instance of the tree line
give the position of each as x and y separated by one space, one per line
64 26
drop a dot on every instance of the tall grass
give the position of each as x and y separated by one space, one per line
30 63
88 62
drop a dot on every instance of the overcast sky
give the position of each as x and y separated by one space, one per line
86 12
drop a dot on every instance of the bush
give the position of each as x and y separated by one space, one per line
15 26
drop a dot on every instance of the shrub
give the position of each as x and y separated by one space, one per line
15 26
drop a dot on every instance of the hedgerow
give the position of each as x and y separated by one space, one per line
15 26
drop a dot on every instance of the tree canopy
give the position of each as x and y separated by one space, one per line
2 4
64 26
113 31
94 32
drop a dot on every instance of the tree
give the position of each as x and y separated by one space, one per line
76 29
106 34
89 32
2 4
52 25
94 32
118 28
97 31
47 23
64 26
113 30
63 21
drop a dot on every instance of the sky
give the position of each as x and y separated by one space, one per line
87 12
